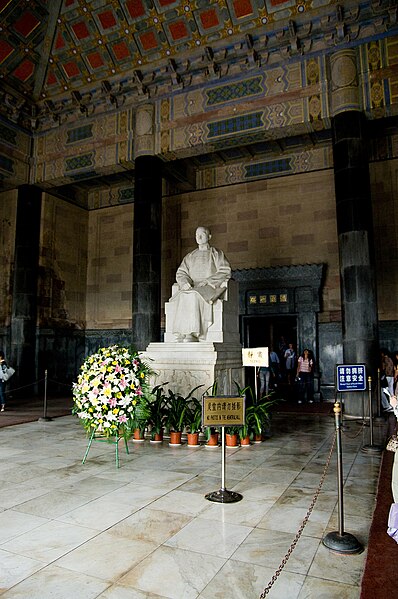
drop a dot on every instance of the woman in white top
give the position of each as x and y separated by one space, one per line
305 376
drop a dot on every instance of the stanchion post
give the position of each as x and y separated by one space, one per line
378 420
45 418
371 448
341 541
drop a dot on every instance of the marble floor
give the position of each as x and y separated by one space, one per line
146 530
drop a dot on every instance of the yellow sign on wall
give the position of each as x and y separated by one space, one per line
224 410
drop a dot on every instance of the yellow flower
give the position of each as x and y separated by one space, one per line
107 392
142 375
115 411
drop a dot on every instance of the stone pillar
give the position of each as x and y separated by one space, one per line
354 222
147 233
24 295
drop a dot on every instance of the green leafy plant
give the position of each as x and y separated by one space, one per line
177 407
193 416
233 430
211 430
257 411
157 404
141 414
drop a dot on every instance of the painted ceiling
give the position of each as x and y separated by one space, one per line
60 53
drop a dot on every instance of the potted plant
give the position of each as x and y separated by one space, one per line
193 421
211 432
257 413
158 409
175 420
140 419
232 436
211 436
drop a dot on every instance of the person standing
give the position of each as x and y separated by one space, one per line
274 363
305 376
387 368
264 374
290 363
3 367
395 362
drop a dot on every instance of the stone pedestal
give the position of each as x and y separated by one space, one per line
185 365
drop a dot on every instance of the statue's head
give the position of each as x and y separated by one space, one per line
202 235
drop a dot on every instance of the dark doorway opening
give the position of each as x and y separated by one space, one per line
267 331
272 332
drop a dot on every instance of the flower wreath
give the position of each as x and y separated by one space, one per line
109 389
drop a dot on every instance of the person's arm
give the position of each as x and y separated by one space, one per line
394 404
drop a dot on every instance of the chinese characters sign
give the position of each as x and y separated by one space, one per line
223 411
351 377
255 356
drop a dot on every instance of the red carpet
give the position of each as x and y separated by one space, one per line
379 579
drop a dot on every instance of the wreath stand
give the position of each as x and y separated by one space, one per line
114 440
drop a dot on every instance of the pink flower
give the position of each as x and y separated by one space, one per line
118 368
122 418
122 383
112 402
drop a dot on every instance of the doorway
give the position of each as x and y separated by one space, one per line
269 331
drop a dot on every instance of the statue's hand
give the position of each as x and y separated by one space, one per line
186 286
202 284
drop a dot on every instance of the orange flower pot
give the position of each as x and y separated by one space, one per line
232 440
193 439
175 438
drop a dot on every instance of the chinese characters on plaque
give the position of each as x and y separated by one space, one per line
351 377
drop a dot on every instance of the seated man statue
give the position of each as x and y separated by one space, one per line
202 277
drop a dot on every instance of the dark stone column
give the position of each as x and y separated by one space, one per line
24 293
147 251
355 237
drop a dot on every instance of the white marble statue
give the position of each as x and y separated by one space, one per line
202 278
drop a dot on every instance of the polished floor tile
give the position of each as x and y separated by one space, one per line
146 530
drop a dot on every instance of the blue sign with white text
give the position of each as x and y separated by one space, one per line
351 377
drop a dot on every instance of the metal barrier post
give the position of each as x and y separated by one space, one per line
340 541
371 448
223 495
45 418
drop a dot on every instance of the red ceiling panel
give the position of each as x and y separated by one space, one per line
71 69
95 60
80 30
24 70
209 18
107 19
135 8
121 50
26 23
5 50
